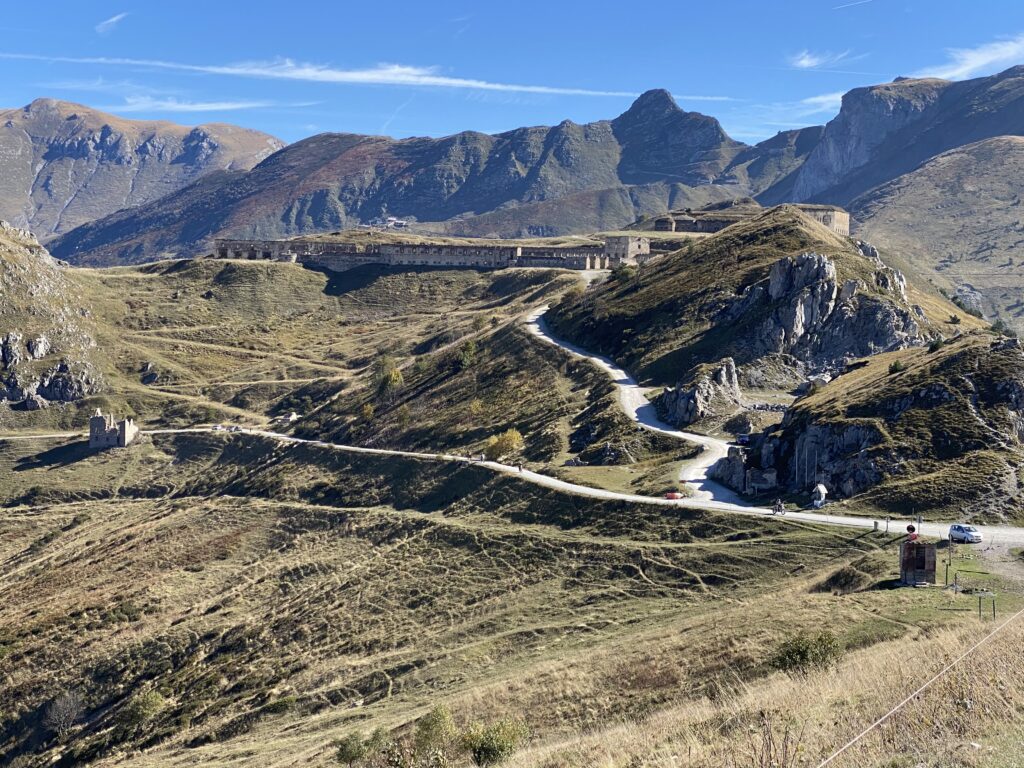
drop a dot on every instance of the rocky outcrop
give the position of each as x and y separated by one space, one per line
11 350
715 391
66 383
812 318
39 347
836 455
42 319
960 407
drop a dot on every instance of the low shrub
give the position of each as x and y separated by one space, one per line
495 743
806 652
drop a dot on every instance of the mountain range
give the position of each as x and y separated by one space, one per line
66 164
883 157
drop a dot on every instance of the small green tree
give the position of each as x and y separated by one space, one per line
390 383
367 412
492 744
467 354
142 708
351 749
404 416
954 319
507 443
625 273
387 376
435 731
935 345
896 366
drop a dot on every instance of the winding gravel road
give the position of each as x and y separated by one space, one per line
710 495
637 407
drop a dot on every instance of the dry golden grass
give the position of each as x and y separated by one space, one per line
961 720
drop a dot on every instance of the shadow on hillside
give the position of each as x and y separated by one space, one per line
61 456
357 278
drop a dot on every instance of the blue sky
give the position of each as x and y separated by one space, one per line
434 68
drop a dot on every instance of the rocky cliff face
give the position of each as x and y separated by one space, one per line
46 344
884 131
810 316
65 164
944 428
867 118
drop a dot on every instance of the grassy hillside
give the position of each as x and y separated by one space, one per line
939 428
956 222
216 599
199 341
672 315
499 379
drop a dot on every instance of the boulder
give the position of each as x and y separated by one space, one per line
10 350
715 391
39 347
17 388
35 403
731 470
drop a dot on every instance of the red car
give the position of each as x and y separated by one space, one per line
673 495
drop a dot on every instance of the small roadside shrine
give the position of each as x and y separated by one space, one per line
917 563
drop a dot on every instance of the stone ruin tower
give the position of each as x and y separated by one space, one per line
105 433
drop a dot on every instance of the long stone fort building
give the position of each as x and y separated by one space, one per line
338 256
718 216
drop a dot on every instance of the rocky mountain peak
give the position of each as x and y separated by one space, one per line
651 105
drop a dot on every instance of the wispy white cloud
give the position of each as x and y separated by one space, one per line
984 59
106 27
102 85
809 60
288 69
761 121
391 118
151 104
850 5
826 102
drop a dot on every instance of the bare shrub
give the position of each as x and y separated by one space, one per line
772 744
63 712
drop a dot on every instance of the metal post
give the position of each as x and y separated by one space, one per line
993 609
947 574
886 523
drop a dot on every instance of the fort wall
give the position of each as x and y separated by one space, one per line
339 256
831 216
